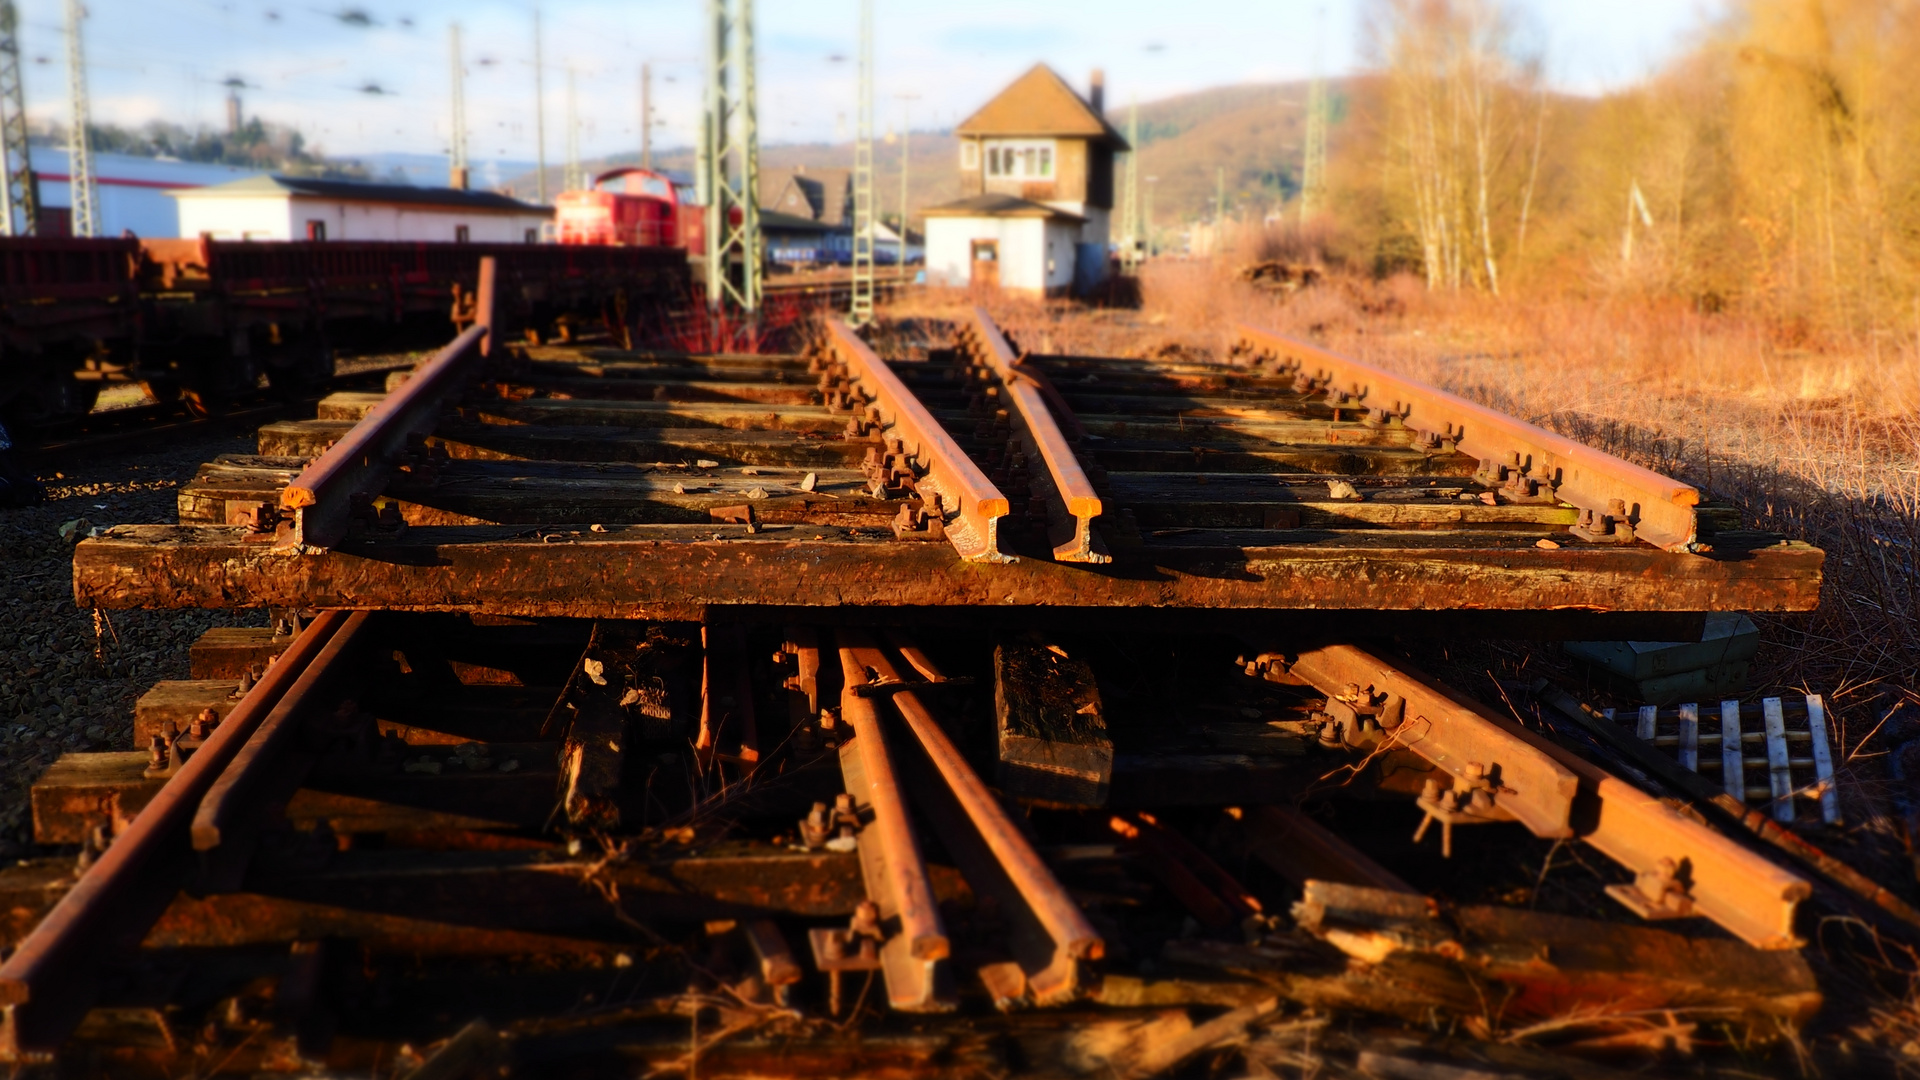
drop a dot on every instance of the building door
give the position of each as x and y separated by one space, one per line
986 263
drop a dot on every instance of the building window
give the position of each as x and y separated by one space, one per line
1026 159
969 155
460 234
533 236
316 230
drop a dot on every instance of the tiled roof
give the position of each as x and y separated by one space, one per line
1040 103
353 191
826 195
992 205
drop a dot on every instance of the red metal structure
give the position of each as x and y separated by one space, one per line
629 208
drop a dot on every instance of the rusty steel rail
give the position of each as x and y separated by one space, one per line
1660 508
896 870
1453 734
1071 496
258 776
1683 867
1074 937
958 484
323 499
48 983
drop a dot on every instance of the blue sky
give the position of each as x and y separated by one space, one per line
306 66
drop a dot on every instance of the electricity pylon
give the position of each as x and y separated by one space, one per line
457 150
731 162
860 311
1313 166
21 192
86 212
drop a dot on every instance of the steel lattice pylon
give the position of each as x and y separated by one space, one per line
731 162
1130 199
1313 167
860 311
86 212
21 192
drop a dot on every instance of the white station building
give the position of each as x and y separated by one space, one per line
298 208
133 194
1036 178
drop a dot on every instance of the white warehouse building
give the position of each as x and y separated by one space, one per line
132 193
298 208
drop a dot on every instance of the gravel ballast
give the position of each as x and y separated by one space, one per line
69 677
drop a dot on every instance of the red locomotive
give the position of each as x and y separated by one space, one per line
630 208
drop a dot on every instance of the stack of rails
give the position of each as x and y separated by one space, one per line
622 670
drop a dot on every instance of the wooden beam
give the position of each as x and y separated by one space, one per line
678 572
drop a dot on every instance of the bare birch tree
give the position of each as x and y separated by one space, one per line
1453 100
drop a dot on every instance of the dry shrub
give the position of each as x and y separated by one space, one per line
1288 240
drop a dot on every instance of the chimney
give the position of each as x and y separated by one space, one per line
458 179
1097 92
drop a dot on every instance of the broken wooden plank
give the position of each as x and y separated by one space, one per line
1779 771
1052 731
550 442
502 786
1554 964
227 652
1733 764
469 902
632 684
1823 760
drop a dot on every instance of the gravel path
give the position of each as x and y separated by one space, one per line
68 681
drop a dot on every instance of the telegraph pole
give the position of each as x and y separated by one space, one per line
21 192
730 162
860 312
539 115
573 177
457 171
1148 223
646 115
906 146
86 212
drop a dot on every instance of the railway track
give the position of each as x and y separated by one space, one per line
133 425
794 715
